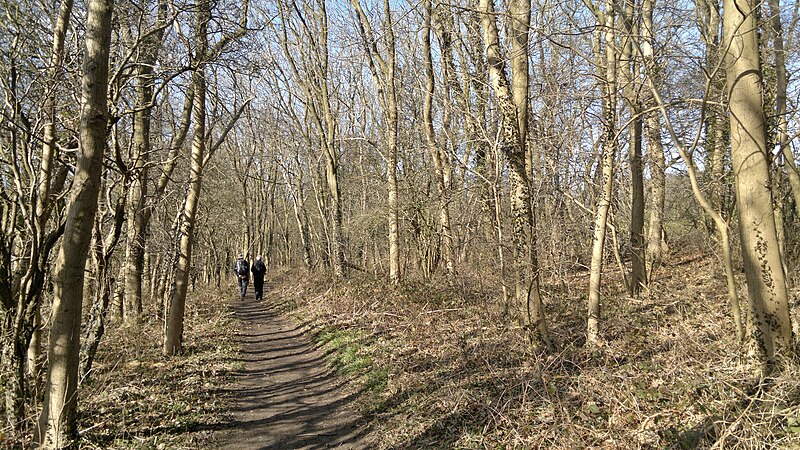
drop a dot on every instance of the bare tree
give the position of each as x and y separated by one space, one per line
766 282
607 66
201 152
27 238
58 419
655 148
437 154
137 226
314 78
173 337
383 69
527 293
631 88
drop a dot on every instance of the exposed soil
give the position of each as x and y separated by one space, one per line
286 396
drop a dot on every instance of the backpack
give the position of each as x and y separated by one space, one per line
240 267
259 268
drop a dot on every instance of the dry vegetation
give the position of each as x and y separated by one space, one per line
138 399
439 370
668 374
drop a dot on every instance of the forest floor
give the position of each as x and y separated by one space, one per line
437 365
250 378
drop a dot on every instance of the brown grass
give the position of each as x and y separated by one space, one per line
457 374
668 375
138 399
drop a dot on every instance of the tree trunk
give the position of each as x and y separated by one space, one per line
638 268
383 72
102 251
638 273
716 130
655 148
781 80
137 195
137 217
392 135
608 77
527 295
766 284
58 421
433 146
43 207
443 167
299 208
331 156
173 339
317 93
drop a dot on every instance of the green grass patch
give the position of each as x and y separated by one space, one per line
349 352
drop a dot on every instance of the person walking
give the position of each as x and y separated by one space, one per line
242 270
259 269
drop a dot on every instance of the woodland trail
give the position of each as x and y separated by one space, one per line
286 396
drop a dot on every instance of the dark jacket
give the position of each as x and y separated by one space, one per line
259 269
242 268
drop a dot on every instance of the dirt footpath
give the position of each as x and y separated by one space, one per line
286 397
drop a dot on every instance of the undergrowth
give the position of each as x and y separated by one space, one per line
138 399
456 373
440 366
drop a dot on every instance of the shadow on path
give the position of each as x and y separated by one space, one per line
285 396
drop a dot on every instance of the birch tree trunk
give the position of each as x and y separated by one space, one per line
58 419
766 283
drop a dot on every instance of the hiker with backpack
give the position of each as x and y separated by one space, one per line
259 269
242 270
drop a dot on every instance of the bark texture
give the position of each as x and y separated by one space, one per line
530 309
609 90
58 418
766 284
138 192
173 339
